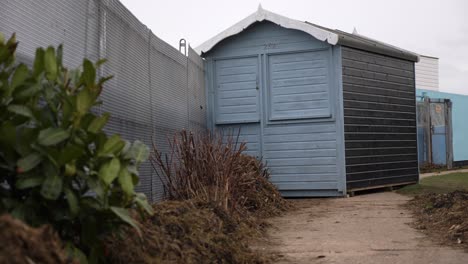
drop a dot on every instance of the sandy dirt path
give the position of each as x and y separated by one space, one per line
370 228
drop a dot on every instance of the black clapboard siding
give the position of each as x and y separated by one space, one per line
359 152
381 158
358 144
356 120
378 174
379 120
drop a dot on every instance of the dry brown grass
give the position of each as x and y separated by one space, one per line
218 199
22 244
206 168
185 232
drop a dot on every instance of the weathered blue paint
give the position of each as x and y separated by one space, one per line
439 155
459 120
281 88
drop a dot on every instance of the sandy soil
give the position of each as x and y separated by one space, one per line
371 228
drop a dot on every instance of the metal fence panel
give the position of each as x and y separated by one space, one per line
196 91
155 91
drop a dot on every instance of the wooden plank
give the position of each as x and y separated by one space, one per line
380 166
376 113
354 64
380 174
382 158
347 79
356 120
376 98
377 106
378 91
307 185
368 57
374 186
379 144
379 129
380 151
380 136
377 76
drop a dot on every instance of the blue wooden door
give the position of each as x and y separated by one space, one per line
439 148
237 107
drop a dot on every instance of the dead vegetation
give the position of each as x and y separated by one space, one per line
218 199
443 217
185 232
21 244
213 168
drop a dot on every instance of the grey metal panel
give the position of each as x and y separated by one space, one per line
196 92
155 91
379 119
44 23
126 96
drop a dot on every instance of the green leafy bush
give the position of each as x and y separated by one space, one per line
57 166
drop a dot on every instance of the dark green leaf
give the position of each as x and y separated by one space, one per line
50 63
52 136
98 123
28 136
12 40
70 152
142 202
28 91
84 101
123 214
21 110
133 169
139 152
8 133
20 212
72 201
52 187
89 73
125 181
67 110
90 203
59 55
25 182
38 67
109 171
113 145
100 62
2 38
19 77
76 254
29 162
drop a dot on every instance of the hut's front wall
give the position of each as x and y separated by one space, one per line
379 120
280 87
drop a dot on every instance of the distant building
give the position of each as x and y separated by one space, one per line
427 73
442 126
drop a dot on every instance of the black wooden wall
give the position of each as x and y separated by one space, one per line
379 120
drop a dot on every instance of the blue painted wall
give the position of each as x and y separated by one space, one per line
459 120
282 89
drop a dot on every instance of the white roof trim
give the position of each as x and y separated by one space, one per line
262 15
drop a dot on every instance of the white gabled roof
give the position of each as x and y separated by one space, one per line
280 20
332 36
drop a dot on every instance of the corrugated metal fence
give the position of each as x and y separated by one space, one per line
155 91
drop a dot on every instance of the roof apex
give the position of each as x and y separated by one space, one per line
261 15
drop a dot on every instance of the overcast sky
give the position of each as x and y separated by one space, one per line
428 27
